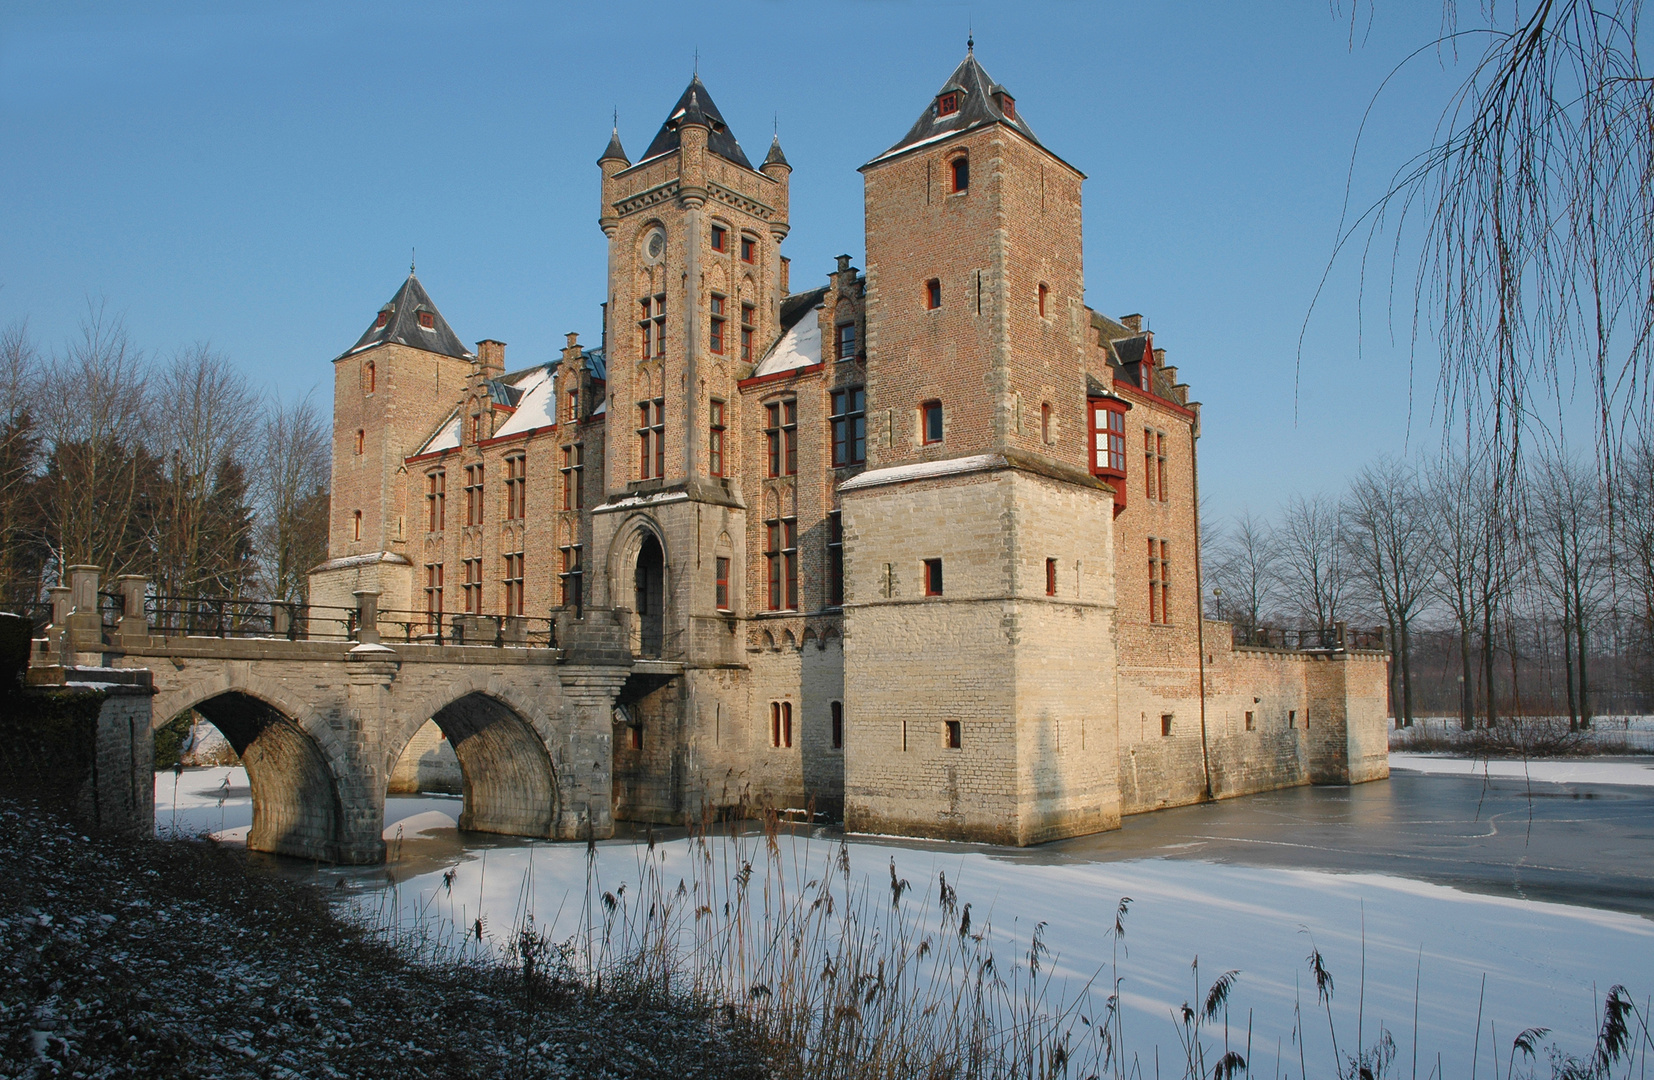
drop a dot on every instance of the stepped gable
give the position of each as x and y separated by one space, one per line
402 326
695 106
978 107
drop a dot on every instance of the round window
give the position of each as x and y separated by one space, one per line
654 245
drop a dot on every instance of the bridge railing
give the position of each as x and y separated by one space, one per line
437 628
237 617
1338 637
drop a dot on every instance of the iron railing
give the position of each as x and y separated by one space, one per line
1331 638
437 628
236 617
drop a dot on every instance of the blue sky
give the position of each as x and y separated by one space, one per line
255 175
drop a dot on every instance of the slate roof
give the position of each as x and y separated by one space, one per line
796 306
977 108
402 325
614 151
775 156
695 106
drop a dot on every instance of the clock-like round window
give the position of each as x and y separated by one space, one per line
654 245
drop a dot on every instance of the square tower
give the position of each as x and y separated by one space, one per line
979 611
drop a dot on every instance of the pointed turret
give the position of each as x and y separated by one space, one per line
695 106
775 156
411 319
614 151
968 99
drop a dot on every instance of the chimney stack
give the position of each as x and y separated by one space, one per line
1134 323
490 358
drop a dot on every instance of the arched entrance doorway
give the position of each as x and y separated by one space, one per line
650 597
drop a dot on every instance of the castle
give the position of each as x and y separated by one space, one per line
916 547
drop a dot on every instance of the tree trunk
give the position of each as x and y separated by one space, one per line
1406 644
1467 687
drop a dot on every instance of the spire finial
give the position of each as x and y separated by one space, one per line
411 253
617 121
697 63
970 37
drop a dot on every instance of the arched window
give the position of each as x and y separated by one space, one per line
369 377
1045 422
961 167
1042 294
356 526
361 439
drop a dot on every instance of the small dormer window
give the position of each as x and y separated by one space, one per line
427 320
1008 106
379 323
948 103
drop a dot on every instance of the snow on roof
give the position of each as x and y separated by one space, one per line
799 347
446 437
538 406
924 470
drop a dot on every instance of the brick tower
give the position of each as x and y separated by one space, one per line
390 389
979 561
694 295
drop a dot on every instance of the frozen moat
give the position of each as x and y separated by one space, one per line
1540 879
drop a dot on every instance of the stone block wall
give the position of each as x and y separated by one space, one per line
428 763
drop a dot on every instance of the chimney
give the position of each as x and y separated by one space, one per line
490 358
571 351
1160 359
1134 323
786 265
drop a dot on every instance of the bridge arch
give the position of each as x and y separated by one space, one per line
304 788
504 745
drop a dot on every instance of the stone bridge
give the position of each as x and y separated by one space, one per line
320 725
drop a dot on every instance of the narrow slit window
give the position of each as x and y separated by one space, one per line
931 418
1050 577
838 725
933 294
951 734
933 577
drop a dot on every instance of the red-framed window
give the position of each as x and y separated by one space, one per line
715 438
849 426
749 319
959 171
472 586
1160 465
512 582
844 341
930 415
427 320
572 577
573 468
933 577
749 249
933 294
361 440
781 436
947 104
781 557
383 318
715 340
516 487
473 495
722 584
652 326
436 501
573 398
1050 577
1108 437
719 238
651 433
433 597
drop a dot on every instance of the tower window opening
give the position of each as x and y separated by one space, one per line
715 439
933 294
361 439
749 249
383 318
838 725
652 438
933 577
849 426
370 377
961 167
1043 291
427 320
931 421
722 584
436 501
1045 423
749 316
844 341
473 494
781 436
1165 725
356 526
1050 577
715 341
781 724
718 235
947 104
951 734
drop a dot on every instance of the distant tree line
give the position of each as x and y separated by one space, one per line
173 467
1502 590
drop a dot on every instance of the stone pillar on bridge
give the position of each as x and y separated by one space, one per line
368 708
85 622
367 616
134 624
57 635
586 807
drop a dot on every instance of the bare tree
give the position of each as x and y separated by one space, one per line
205 419
1568 537
1314 569
98 481
291 481
20 377
1388 538
1244 568
1535 203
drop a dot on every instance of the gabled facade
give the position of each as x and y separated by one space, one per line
915 547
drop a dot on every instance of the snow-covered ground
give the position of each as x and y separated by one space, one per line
1544 964
1635 772
1608 734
